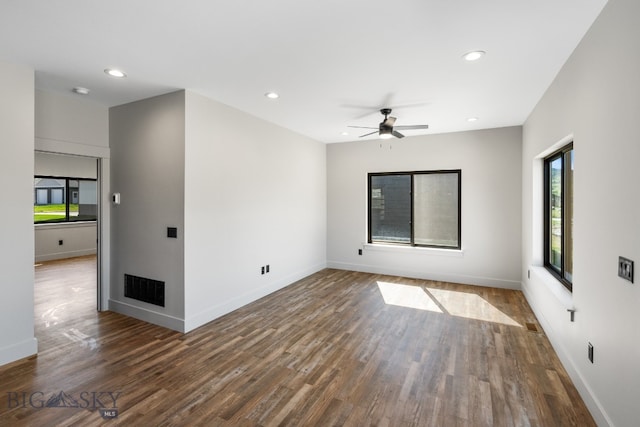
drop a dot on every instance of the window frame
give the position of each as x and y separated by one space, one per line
559 275
412 174
67 192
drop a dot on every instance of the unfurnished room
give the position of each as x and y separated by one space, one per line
295 213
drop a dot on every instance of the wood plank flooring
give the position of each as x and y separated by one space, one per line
337 348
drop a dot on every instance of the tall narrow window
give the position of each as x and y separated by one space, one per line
415 208
558 214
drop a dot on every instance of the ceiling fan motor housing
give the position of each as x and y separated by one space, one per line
385 128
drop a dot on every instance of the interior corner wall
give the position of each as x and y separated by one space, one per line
255 195
147 169
596 99
490 194
17 339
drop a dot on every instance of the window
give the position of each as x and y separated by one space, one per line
60 199
415 208
558 214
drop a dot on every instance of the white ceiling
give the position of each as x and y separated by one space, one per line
333 62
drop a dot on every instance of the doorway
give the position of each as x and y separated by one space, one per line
68 247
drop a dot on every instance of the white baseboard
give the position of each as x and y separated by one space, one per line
593 404
146 315
441 277
219 310
18 351
63 255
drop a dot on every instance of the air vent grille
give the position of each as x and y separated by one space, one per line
143 289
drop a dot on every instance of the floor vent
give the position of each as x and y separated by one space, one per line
142 289
532 327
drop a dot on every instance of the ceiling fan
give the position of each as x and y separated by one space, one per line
386 128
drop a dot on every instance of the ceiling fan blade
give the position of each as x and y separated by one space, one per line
410 127
397 134
362 127
366 110
389 121
367 134
409 105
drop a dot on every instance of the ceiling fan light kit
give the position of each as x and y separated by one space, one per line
386 128
385 134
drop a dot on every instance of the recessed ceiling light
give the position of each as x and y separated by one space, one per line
474 55
115 73
472 119
81 90
272 95
345 133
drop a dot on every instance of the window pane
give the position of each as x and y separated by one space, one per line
390 208
49 200
568 216
436 209
555 213
86 205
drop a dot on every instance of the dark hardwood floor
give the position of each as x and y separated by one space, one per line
337 348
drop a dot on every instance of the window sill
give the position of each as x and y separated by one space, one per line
554 285
380 247
55 225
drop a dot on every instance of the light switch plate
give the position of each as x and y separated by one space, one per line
625 268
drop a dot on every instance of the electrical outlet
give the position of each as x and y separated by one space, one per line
60 242
267 268
625 268
359 251
590 352
262 270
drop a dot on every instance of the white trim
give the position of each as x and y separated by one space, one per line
104 242
146 315
212 313
564 296
441 277
102 155
555 147
593 404
64 255
71 224
18 351
73 148
381 247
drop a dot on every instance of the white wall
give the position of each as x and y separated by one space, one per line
73 122
78 238
255 194
595 98
147 169
490 164
17 338
50 164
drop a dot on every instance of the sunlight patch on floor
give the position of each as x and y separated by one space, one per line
471 306
407 296
455 303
